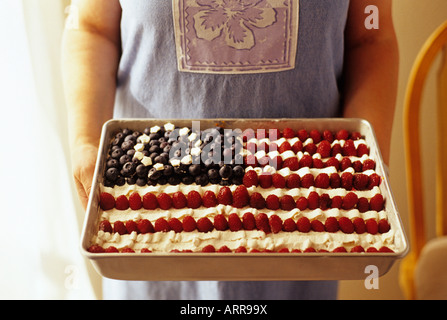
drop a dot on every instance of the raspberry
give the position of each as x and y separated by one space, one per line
289 225
309 250
286 202
363 204
105 226
368 164
310 148
332 162
161 225
317 225
224 249
301 203
335 180
193 199
250 160
372 249
357 249
234 222
313 200
336 149
112 249
325 201
119 227
296 251
262 222
248 134
346 225
315 135
127 250
250 178
145 250
288 133
248 221
209 248
274 134
261 134
374 181
164 201
348 149
220 222
240 197
327 135
145 226
293 181
307 180
204 225
346 180
305 161
342 134
265 180
376 202
122 203
291 163
331 224
135 202
384 226
371 226
276 162
189 224
360 181
349 201
317 163
324 149
355 135
131 226
322 181
95 249
278 181
150 201
224 196
339 250
209 199
336 202
304 225
106 201
283 250
272 202
302 134
179 200
357 165
285 146
359 225
257 201
275 223
345 163
385 249
362 149
297 146
175 224
240 249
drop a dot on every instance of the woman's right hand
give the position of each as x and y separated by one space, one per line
83 166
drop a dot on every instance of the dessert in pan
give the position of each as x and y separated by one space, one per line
174 189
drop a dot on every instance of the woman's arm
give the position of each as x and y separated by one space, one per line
90 56
371 70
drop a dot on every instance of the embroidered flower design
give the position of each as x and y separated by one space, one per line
233 19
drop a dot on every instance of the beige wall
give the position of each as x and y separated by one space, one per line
414 21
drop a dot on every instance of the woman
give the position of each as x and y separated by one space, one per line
224 59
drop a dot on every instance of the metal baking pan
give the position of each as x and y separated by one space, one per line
241 266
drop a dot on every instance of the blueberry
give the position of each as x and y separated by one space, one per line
112 174
160 159
238 171
162 180
131 180
108 183
213 174
120 181
141 170
119 138
128 169
187 179
225 171
125 158
154 174
141 181
174 180
194 169
168 170
112 163
202 179
127 144
117 153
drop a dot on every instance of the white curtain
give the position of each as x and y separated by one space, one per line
41 218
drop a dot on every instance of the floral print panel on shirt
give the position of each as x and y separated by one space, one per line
236 36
